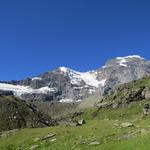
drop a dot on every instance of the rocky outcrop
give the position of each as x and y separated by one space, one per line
16 113
123 95
146 93
6 93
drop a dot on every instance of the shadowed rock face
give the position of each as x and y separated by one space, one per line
6 93
68 84
15 113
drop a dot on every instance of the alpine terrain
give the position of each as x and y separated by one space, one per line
67 85
120 120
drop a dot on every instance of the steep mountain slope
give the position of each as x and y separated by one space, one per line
15 113
67 85
123 70
126 94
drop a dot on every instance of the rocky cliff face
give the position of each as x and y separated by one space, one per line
125 94
122 70
66 85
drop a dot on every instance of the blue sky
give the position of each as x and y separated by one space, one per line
39 35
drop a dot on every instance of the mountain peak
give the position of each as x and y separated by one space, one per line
130 56
63 69
124 61
66 69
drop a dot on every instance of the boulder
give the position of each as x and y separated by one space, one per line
34 147
146 109
94 143
126 125
146 93
80 122
48 136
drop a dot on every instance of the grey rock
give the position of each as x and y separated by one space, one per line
146 93
104 104
94 143
48 136
81 122
126 125
53 140
36 139
6 93
6 134
34 147
128 136
144 131
146 109
116 125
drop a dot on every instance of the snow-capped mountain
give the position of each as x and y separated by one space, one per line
76 77
64 84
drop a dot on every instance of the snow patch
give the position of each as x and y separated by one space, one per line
36 78
69 100
123 60
104 67
91 91
102 82
63 69
89 79
77 77
18 90
132 56
66 100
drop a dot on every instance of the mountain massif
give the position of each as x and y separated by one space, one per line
67 85
117 122
119 119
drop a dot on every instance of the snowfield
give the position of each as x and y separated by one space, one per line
88 77
18 90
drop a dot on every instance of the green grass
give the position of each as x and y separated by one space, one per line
100 128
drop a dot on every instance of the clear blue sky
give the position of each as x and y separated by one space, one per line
39 35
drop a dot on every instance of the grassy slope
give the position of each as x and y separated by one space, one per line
125 94
89 102
99 129
56 109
